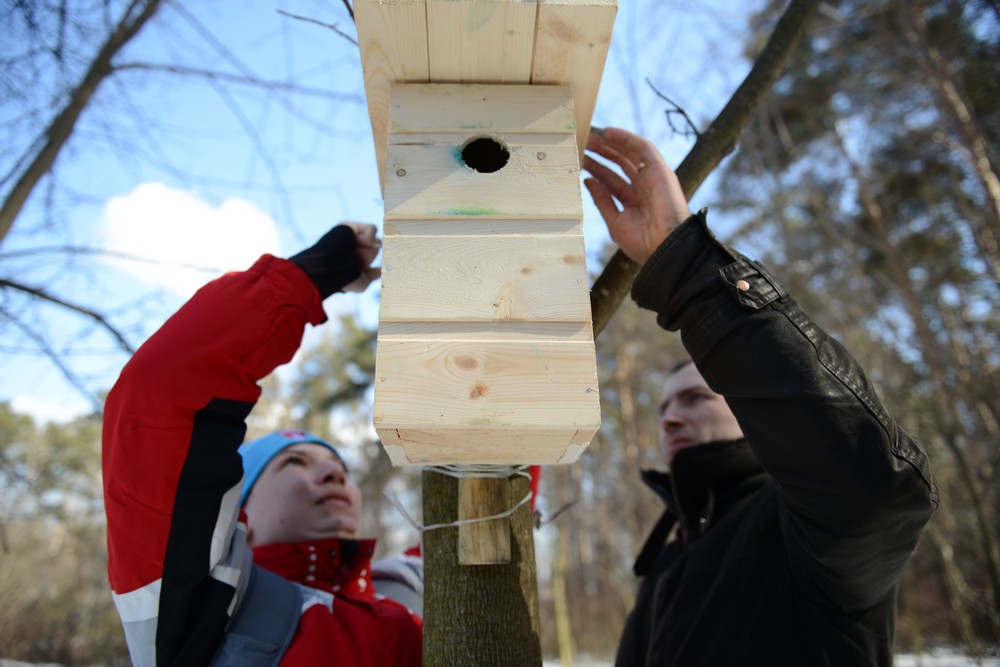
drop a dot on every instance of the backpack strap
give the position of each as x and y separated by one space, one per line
264 624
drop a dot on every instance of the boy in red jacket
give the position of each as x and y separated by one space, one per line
190 570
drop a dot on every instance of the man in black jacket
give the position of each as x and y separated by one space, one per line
793 501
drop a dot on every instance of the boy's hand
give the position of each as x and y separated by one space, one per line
368 247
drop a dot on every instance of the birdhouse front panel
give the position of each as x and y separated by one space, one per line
485 347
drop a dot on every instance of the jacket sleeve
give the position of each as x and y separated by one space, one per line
855 488
177 553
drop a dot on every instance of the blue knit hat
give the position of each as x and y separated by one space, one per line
258 453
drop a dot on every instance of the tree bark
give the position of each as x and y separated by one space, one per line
560 598
956 591
61 127
712 146
478 615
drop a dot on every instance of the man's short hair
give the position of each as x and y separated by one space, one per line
678 366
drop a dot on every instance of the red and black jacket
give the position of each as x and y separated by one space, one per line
178 555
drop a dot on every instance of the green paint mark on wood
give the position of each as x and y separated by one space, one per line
468 212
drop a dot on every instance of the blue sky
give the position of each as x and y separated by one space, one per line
168 171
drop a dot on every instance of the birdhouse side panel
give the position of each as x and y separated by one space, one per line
501 385
485 278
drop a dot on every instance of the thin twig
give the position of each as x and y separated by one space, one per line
103 252
331 26
282 86
54 357
676 110
41 294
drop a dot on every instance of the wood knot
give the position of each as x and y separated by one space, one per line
478 390
467 361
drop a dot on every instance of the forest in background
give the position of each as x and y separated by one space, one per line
868 182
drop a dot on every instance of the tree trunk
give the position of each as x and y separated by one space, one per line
560 599
478 615
956 590
59 131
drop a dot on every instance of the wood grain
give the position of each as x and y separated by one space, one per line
483 542
520 278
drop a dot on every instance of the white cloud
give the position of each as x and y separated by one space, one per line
178 241
43 410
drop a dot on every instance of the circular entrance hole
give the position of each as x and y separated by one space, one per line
485 155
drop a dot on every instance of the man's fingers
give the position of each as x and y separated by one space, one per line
611 152
614 183
638 150
602 200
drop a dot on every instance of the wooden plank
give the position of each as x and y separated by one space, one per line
483 542
520 278
523 332
484 384
427 178
465 108
392 40
571 47
485 41
469 227
408 447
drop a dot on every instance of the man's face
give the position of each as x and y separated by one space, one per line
692 414
303 494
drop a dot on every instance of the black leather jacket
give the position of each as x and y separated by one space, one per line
798 565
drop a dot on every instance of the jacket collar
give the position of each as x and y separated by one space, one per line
338 566
706 479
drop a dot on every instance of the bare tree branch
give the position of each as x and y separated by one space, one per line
265 155
278 86
61 127
102 252
676 109
331 26
82 310
712 146
54 357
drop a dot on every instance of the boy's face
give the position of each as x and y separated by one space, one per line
303 494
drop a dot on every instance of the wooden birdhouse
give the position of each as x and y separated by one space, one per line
480 110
